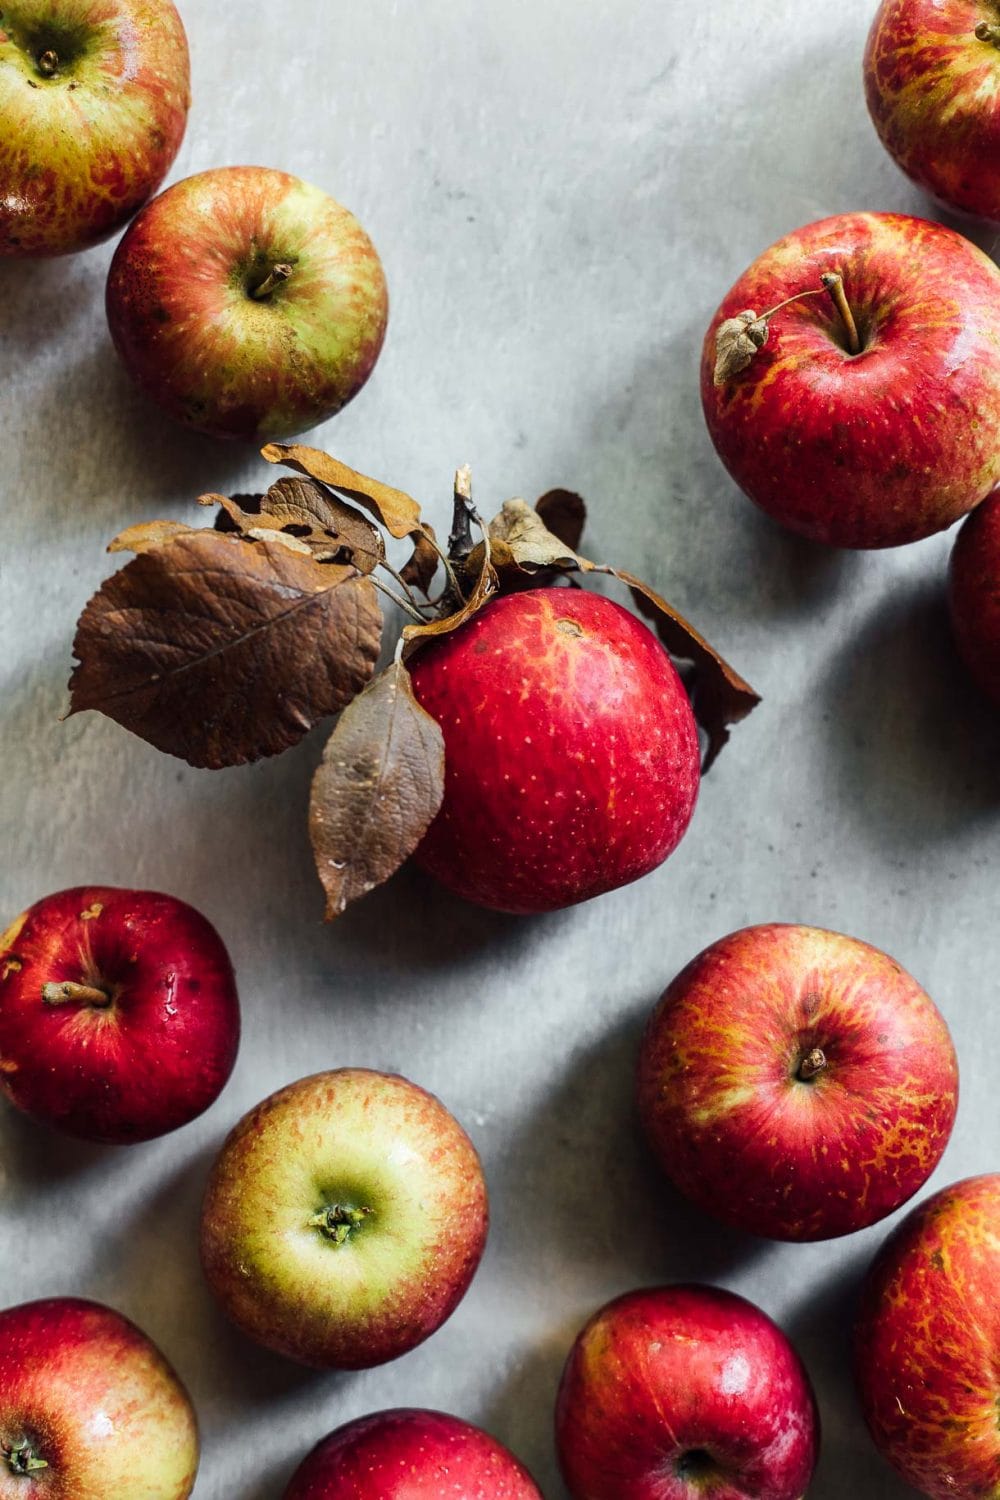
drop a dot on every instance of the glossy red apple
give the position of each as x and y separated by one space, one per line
94 97
928 1344
119 1018
247 303
89 1408
344 1219
974 596
932 81
682 1391
879 446
797 1083
571 751
411 1455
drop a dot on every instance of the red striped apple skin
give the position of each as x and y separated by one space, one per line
974 596
933 92
739 1127
881 447
927 1352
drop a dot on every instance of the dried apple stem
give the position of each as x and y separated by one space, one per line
812 1065
48 63
274 278
988 31
834 284
68 993
460 542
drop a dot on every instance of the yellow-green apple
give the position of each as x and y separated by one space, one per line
119 1018
344 1219
410 1455
932 81
866 412
89 1408
681 1391
247 303
974 596
94 98
797 1083
571 751
928 1344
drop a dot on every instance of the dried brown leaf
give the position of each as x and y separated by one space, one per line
527 541
419 572
483 587
380 784
565 515
150 534
737 342
398 512
220 652
336 531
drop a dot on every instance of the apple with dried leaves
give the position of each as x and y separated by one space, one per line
89 1408
685 1390
851 379
410 1455
927 1343
119 1018
247 303
796 1083
94 97
974 596
932 81
344 1219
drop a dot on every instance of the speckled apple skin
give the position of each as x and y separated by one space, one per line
933 92
571 753
82 151
151 1061
411 1455
662 1374
742 1136
98 1403
974 596
927 1351
195 340
363 1139
886 446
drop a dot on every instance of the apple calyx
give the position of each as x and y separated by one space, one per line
68 993
338 1222
48 63
21 1458
275 277
988 31
811 1065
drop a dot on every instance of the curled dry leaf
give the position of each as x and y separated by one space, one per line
737 342
423 564
380 784
222 652
316 521
484 585
398 512
150 534
565 515
520 535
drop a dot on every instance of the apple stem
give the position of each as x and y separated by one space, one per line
460 541
274 278
812 1064
834 284
988 31
338 1222
21 1458
68 993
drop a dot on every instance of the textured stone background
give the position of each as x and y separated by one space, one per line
561 193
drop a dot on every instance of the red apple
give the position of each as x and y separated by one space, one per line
932 81
928 1344
974 591
682 1391
247 303
94 97
119 1018
797 1083
411 1455
879 446
571 751
344 1219
89 1408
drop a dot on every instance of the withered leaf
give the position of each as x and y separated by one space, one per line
377 789
221 652
521 535
423 564
336 531
737 341
483 586
565 515
150 534
398 512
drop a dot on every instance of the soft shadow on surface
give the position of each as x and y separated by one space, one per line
32 1154
43 300
520 1411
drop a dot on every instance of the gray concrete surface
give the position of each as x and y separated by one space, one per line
561 193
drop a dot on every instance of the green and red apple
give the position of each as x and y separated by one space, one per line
94 97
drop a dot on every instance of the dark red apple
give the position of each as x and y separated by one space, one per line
876 440
928 1344
119 1018
682 1391
411 1455
797 1083
247 303
974 595
89 1408
344 1219
94 98
571 751
932 81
